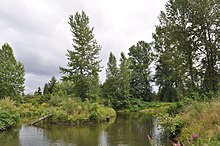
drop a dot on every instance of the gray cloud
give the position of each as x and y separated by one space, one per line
40 35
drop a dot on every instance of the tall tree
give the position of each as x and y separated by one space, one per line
205 19
110 87
124 79
140 59
11 73
174 65
83 65
187 44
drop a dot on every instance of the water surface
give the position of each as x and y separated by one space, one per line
128 129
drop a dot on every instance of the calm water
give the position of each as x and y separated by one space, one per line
128 129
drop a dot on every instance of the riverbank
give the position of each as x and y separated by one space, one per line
201 123
191 122
63 110
188 121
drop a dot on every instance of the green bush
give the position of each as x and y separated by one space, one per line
176 108
94 116
8 114
172 124
7 119
204 96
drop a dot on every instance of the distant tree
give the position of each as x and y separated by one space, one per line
52 84
38 92
124 79
46 89
110 87
140 57
11 73
83 65
65 87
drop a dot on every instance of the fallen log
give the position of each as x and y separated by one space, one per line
40 119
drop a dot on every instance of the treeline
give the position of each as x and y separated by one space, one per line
185 51
183 60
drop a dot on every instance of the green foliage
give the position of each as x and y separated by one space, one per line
116 89
205 96
83 65
8 114
64 88
140 57
172 124
187 47
52 84
7 119
49 88
38 92
64 109
110 86
11 73
176 108
124 79
137 104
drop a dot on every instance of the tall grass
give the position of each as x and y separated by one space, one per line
202 118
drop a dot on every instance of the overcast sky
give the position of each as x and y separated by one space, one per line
39 34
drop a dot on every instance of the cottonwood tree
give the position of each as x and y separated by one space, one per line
11 73
187 46
83 66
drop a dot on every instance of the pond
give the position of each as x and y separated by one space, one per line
127 129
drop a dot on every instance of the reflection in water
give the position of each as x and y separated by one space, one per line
9 138
32 136
158 133
103 139
128 129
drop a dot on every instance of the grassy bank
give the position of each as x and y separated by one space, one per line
64 110
193 123
201 123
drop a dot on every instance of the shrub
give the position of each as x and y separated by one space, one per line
172 124
8 114
176 108
7 119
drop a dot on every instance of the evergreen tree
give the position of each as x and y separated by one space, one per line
124 80
46 89
52 84
38 92
110 87
83 65
11 73
140 57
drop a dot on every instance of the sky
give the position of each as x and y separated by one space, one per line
39 33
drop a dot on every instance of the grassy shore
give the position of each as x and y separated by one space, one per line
63 110
201 123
